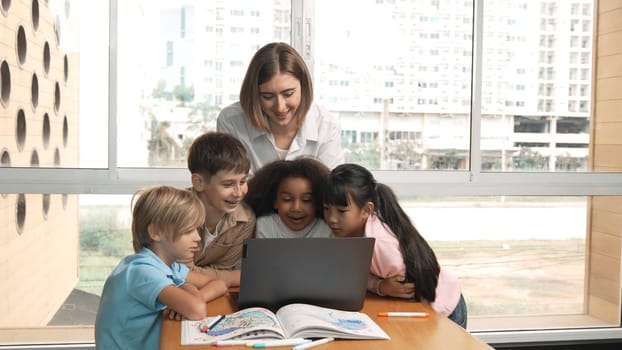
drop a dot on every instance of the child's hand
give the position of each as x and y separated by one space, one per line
396 287
190 288
171 314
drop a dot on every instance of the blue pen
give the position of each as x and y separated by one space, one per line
222 317
206 327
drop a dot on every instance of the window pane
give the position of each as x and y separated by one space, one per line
180 63
536 88
105 238
398 76
521 261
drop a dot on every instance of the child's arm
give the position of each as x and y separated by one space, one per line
229 273
190 298
387 266
397 287
179 301
207 288
391 286
230 277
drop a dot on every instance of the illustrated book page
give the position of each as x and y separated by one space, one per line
310 321
251 323
290 321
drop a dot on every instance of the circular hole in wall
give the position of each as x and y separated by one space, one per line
34 159
57 29
66 68
20 129
5 162
56 97
5 6
57 157
46 130
34 91
21 45
20 212
46 205
65 131
6 158
46 57
35 14
5 83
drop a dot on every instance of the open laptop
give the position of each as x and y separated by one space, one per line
328 272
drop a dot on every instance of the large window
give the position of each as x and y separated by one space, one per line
184 61
402 71
486 117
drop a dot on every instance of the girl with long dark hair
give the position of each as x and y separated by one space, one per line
403 264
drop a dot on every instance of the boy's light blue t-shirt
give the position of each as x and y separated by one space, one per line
129 314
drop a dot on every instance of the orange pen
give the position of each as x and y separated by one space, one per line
404 314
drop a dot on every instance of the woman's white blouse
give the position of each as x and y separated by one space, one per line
319 137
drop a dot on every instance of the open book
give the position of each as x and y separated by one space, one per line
290 321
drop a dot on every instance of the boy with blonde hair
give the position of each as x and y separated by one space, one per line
164 230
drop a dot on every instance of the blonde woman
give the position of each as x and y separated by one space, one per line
276 117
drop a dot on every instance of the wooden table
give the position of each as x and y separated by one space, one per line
434 332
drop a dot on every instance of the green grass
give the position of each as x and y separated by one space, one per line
104 240
94 269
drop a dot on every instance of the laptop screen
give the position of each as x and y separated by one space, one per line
328 272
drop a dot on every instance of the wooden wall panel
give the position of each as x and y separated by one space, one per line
606 203
605 278
610 21
610 66
608 156
609 88
602 309
608 111
605 6
608 134
606 244
605 231
607 221
609 44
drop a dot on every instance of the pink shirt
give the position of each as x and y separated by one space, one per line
387 261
